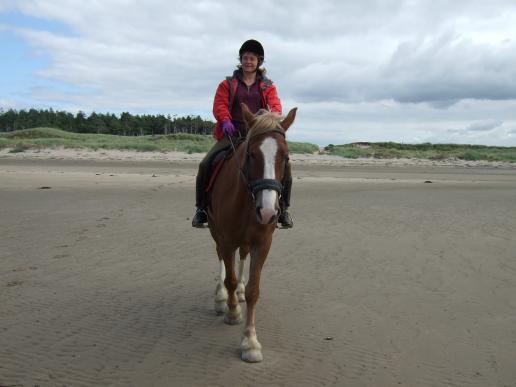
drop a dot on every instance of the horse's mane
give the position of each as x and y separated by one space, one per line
265 121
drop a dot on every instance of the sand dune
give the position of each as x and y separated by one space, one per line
181 157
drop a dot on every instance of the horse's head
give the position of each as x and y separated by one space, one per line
267 155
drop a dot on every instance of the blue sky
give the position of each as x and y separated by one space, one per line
18 66
396 70
21 61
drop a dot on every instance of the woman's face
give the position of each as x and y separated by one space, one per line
249 62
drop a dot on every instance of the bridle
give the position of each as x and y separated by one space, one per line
255 186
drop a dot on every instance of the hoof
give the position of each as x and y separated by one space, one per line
233 317
252 356
251 349
220 307
232 321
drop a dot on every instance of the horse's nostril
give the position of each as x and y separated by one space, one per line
259 212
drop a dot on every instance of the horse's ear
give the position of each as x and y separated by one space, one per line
289 119
248 116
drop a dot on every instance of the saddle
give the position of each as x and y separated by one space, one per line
217 163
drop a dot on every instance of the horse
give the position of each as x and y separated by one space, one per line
242 215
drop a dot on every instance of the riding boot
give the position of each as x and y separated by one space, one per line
201 201
284 218
200 217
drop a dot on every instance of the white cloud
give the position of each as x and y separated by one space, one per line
390 70
484 125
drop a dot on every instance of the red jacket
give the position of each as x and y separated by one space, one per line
222 110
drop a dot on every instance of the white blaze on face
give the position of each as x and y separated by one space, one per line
269 149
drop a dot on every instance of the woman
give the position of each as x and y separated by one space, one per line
248 85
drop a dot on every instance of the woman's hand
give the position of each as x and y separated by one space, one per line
228 128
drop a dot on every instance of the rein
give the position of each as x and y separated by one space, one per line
255 186
236 159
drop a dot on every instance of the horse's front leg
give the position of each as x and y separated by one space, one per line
233 313
250 346
241 276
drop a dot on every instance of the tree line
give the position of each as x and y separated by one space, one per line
126 124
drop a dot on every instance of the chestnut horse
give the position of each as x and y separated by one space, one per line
243 210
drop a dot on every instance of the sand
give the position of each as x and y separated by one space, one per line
394 274
182 158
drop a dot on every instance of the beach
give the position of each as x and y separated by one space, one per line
397 272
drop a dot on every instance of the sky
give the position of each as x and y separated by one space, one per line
407 71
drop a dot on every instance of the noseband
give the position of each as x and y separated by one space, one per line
255 186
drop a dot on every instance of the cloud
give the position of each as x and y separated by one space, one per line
332 50
484 126
335 122
440 70
6 104
392 70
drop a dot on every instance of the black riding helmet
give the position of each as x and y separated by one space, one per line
253 46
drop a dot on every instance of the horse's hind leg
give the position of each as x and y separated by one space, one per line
233 312
241 276
221 294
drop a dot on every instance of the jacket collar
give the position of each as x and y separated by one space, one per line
239 74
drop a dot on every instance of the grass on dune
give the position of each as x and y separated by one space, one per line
392 150
38 138
302 147
55 138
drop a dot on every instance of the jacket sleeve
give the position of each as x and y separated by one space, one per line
273 100
221 102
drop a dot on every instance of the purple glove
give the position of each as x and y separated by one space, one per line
228 128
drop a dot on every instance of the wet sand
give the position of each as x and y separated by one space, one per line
393 275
